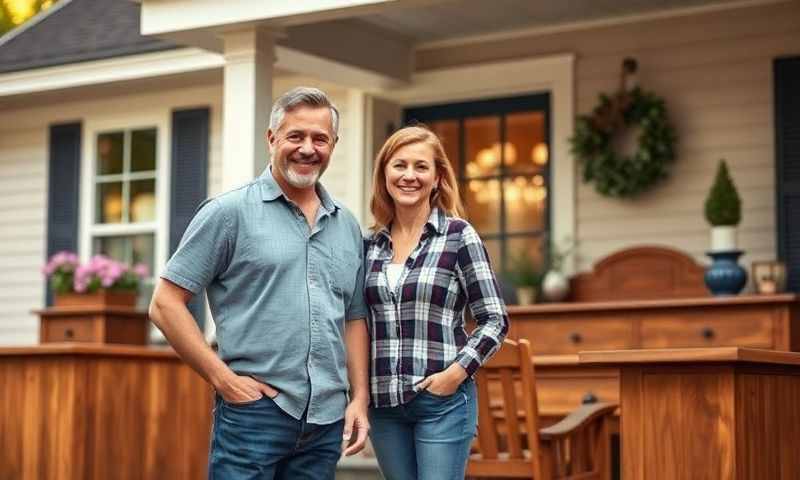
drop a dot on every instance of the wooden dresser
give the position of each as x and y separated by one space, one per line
646 297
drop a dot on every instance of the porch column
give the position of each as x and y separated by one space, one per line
247 99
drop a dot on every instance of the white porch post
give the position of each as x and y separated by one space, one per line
247 99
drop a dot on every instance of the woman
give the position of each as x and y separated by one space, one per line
424 266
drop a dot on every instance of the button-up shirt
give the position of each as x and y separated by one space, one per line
417 328
279 292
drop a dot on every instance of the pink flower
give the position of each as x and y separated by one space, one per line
141 270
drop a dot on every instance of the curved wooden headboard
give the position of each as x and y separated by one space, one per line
641 273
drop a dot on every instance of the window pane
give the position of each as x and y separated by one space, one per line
525 135
109 203
144 250
493 248
143 150
483 146
131 249
143 201
114 247
483 204
447 131
109 153
525 202
531 245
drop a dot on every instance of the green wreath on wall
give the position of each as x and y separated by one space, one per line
615 174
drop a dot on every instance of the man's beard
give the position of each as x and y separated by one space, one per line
298 180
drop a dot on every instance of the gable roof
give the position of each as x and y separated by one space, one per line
77 31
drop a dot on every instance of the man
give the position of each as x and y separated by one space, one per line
281 263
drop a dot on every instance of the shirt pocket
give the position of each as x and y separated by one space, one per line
344 272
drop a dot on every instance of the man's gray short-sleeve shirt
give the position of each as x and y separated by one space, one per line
278 291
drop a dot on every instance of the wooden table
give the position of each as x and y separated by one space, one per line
707 413
90 411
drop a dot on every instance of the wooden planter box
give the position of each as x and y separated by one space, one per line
100 317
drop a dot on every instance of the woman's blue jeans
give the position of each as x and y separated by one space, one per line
428 438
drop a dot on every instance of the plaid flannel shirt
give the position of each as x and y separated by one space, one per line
417 329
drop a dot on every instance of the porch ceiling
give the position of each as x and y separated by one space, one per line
459 18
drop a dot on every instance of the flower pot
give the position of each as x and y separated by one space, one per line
100 298
555 286
725 276
526 295
723 238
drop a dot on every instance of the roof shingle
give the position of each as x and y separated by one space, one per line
79 31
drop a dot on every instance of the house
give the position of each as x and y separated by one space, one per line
118 117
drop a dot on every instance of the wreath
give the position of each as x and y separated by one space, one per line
615 174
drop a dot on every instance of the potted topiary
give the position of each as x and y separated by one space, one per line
723 211
526 277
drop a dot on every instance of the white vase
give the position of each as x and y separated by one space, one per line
555 286
723 238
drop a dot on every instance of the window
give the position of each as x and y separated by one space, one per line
124 219
500 151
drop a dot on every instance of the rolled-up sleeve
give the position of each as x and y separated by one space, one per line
357 309
203 251
484 300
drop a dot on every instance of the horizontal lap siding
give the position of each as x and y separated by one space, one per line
23 215
715 72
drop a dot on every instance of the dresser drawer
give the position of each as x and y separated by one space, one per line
66 329
559 336
732 329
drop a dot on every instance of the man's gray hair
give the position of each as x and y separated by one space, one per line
309 96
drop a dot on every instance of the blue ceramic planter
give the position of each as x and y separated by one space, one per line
725 276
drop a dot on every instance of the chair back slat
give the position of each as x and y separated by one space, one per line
500 432
510 414
487 428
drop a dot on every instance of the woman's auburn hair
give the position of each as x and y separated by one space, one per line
446 197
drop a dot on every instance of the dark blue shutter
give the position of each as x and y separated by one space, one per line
787 164
189 176
63 188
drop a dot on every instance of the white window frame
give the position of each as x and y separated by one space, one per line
93 127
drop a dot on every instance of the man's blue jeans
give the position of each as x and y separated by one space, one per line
258 440
428 438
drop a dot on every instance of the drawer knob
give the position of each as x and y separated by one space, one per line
707 333
68 333
575 337
589 398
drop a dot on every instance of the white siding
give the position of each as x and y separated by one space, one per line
715 72
23 215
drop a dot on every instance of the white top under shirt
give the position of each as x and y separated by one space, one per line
393 272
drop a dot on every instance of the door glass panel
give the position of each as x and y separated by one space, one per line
483 204
525 203
483 154
526 133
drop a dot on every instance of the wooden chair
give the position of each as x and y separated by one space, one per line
510 443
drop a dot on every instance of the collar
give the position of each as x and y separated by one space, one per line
436 224
270 191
